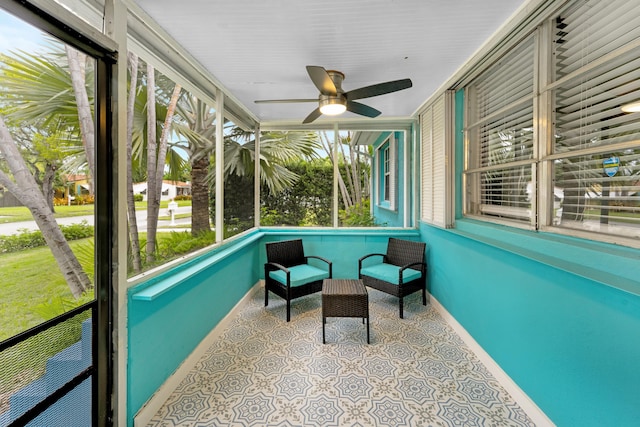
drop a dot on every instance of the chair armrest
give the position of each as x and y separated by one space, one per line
421 264
368 256
318 257
273 266
329 263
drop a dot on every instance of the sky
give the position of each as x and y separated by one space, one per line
17 35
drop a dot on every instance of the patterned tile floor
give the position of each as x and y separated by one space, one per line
263 371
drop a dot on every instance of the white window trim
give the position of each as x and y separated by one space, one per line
543 159
383 200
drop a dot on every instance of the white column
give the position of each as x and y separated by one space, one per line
219 165
115 27
256 181
336 140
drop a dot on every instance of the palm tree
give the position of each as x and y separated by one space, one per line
38 91
151 105
352 192
134 240
277 148
198 128
24 188
197 125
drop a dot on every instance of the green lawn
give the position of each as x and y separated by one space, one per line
34 290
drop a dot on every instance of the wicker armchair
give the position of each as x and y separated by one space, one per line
399 272
288 273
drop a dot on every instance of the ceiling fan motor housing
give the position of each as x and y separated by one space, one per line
337 77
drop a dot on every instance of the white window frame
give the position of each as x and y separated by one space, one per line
386 168
542 164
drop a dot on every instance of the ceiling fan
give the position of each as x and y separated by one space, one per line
333 100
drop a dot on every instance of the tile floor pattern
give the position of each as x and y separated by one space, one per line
263 371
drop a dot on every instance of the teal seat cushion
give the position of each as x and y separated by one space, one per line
300 275
390 273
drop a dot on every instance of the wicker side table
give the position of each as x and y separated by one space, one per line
344 298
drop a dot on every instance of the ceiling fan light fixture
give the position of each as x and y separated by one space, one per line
332 105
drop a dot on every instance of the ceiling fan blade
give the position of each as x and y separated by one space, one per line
363 110
321 79
284 101
379 89
311 117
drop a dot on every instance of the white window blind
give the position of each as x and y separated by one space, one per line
500 136
435 168
597 146
426 135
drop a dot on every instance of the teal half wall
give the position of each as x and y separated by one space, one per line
169 315
561 316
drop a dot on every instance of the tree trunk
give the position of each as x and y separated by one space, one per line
350 190
27 191
87 130
134 240
200 196
153 199
47 184
166 130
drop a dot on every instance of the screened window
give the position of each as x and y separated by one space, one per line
500 138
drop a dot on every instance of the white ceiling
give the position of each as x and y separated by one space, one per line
258 49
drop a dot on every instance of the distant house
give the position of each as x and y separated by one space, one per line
170 189
77 185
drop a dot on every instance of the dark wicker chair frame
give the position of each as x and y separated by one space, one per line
281 256
404 254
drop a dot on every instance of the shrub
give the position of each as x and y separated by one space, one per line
138 197
83 200
357 216
77 231
27 239
179 243
182 197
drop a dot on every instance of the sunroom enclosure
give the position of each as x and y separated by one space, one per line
522 175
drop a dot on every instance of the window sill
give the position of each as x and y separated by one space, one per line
165 283
610 265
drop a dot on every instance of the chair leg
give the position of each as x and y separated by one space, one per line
424 296
324 321
368 321
288 310
401 308
266 296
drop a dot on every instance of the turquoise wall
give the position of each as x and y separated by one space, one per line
571 342
382 214
170 314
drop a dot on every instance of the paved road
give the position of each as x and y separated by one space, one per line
10 228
